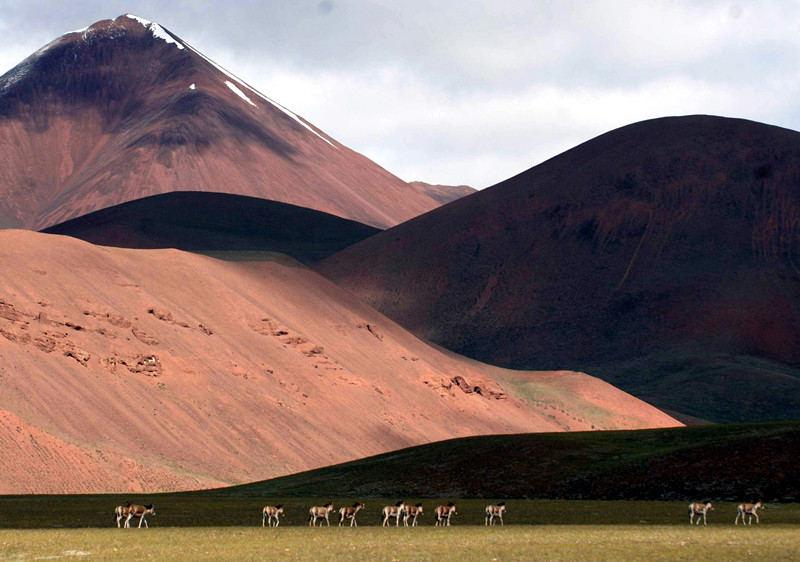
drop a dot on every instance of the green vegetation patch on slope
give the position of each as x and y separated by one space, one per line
700 384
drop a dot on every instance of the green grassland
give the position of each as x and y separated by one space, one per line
203 510
575 476
553 542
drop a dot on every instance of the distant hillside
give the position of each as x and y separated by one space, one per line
227 226
443 193
730 462
663 257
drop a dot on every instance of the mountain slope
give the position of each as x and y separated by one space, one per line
125 109
161 370
443 193
222 224
663 257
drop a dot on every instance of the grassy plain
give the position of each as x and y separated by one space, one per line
556 542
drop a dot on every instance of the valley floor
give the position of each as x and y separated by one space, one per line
517 542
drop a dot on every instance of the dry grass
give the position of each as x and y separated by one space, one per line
464 543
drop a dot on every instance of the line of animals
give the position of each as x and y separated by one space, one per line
271 514
743 510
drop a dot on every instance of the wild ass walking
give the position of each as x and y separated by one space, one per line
139 511
319 513
493 511
699 509
411 511
750 509
350 513
271 514
121 512
443 514
392 512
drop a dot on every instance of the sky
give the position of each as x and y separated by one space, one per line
471 92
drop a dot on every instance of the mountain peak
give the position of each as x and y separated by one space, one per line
157 31
125 109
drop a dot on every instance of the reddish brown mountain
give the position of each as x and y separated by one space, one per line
126 109
663 257
443 193
162 370
223 225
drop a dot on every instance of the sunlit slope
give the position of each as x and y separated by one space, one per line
161 370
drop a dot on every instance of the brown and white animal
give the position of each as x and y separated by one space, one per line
271 515
411 512
350 513
139 511
443 514
750 509
318 514
699 509
493 511
121 512
393 512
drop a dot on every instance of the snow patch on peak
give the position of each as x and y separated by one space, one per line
259 94
142 21
157 31
193 87
239 93
78 30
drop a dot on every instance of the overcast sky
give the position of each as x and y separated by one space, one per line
461 92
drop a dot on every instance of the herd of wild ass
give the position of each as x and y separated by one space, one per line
271 514
744 509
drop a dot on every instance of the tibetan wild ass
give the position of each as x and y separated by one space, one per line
139 511
443 514
493 511
750 509
392 512
411 511
121 512
699 509
350 513
318 513
271 515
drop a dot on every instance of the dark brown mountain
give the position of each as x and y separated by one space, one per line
125 109
226 226
443 193
663 257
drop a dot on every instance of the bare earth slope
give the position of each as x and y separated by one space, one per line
663 257
125 109
223 224
162 370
